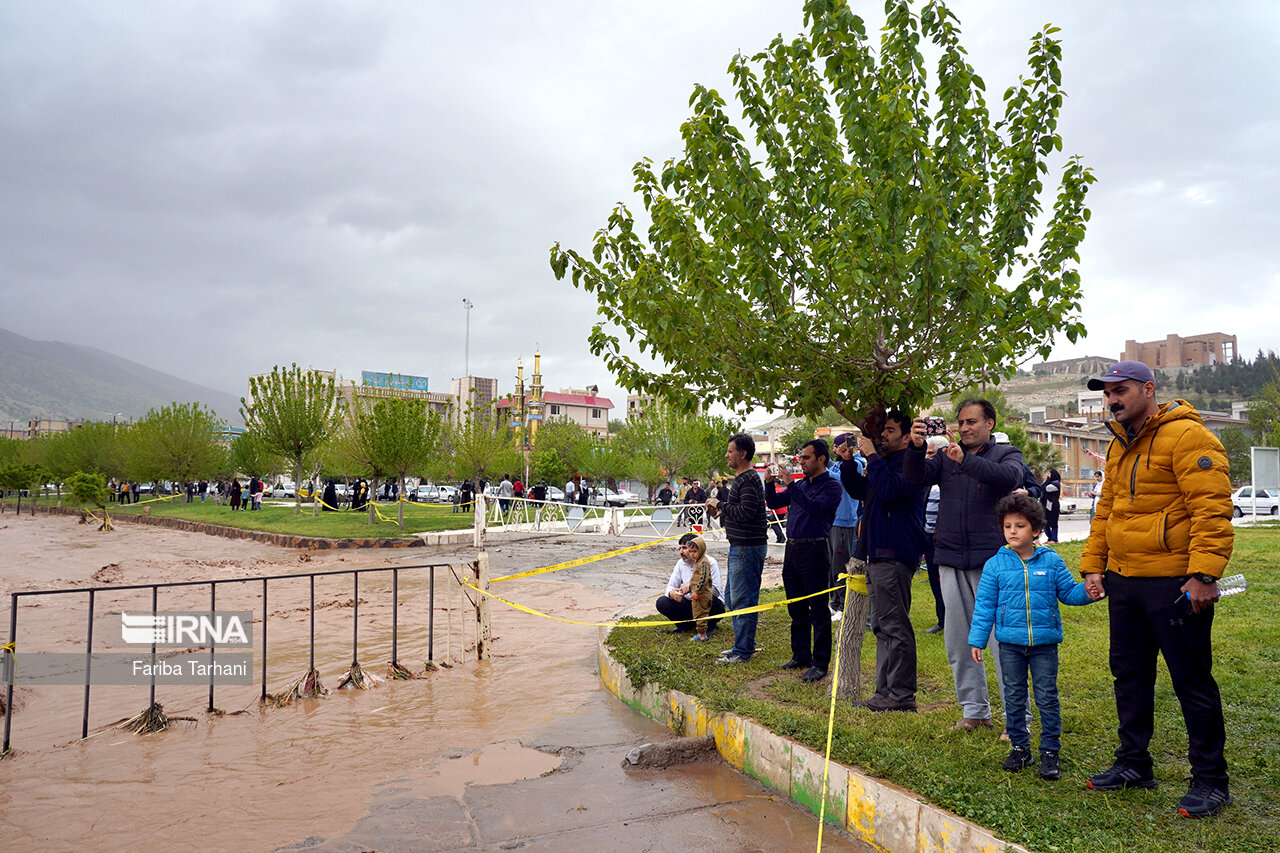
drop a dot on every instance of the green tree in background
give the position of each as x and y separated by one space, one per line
1237 442
476 448
90 488
873 218
560 450
21 477
394 437
250 455
294 411
178 442
675 438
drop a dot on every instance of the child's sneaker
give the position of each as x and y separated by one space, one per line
1050 766
1019 757
697 638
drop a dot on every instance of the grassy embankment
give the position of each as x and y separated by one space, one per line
961 770
274 518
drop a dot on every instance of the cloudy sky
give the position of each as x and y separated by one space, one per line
212 188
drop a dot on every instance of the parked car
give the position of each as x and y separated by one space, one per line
343 491
1243 500
608 497
554 494
284 490
447 494
426 494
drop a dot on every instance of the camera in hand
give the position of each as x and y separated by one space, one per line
935 426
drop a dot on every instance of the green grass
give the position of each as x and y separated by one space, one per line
418 518
961 770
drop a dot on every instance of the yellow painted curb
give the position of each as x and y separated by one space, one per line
874 811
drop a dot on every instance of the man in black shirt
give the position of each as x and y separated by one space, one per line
743 515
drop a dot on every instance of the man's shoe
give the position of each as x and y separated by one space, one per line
879 704
936 629
1120 776
732 658
1019 757
813 673
837 615
793 664
1050 766
968 724
1203 800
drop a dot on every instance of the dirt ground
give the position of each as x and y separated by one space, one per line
519 752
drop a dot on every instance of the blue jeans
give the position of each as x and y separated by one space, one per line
1042 662
746 565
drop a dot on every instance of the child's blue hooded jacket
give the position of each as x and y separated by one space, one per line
1021 600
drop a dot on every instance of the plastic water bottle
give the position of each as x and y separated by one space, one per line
1231 585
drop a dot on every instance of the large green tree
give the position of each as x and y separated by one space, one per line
560 450
477 448
683 443
294 411
252 456
180 442
873 217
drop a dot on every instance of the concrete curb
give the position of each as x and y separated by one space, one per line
884 816
282 540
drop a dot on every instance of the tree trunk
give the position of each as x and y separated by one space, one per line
400 504
853 625
297 484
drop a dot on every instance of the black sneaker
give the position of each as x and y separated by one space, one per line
1120 776
1203 800
1019 757
1050 766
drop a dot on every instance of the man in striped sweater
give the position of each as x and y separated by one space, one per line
743 517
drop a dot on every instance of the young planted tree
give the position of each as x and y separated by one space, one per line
178 442
90 488
394 437
476 447
22 477
560 450
250 455
872 217
675 438
294 411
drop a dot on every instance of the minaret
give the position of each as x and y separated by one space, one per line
518 407
535 403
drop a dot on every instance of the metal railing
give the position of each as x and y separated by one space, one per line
213 585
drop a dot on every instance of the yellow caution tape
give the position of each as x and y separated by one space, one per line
651 623
854 583
8 647
582 561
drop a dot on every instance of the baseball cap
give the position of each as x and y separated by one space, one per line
1121 371
842 438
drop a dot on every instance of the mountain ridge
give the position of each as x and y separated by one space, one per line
55 380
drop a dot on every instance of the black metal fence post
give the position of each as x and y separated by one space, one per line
395 612
431 615
355 621
155 592
213 608
312 660
88 664
264 638
8 698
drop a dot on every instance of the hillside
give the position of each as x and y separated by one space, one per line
51 379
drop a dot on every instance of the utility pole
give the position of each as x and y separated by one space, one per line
466 347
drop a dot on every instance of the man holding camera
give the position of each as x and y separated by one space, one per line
972 474
890 540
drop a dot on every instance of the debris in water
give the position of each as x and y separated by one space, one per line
306 687
355 679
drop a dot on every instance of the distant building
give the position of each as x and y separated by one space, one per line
1176 353
1089 365
583 407
473 394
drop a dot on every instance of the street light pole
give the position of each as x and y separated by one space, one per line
466 347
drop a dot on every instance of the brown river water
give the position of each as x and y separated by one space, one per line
519 752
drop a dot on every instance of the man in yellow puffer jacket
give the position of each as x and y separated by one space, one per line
1162 532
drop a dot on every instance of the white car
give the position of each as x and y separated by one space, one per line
427 494
608 497
1244 499
446 494
284 490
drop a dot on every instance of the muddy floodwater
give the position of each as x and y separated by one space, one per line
519 752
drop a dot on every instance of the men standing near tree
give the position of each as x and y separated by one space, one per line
890 540
743 515
972 474
812 504
1160 537
844 530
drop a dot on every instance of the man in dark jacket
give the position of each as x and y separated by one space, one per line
890 539
742 513
972 474
813 502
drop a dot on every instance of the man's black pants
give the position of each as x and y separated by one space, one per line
804 571
682 612
1144 622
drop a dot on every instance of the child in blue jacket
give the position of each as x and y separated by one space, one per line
1019 593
